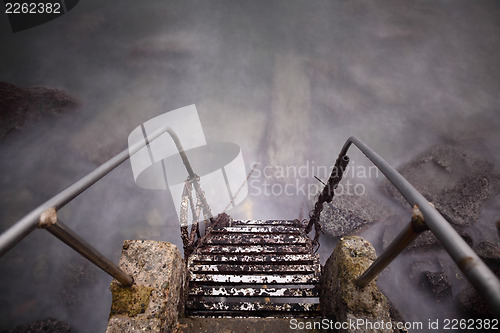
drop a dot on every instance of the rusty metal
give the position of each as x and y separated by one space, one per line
253 306
255 279
294 223
326 196
258 258
271 229
189 239
254 249
254 267
183 218
257 239
50 222
253 292
405 237
251 269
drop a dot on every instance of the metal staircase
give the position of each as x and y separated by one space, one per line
254 268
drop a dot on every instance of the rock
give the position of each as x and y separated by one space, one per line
490 253
341 297
156 299
417 267
347 214
456 181
49 325
20 107
468 298
472 304
437 283
426 241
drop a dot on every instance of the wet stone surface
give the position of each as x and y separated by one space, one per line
437 283
426 241
341 298
472 305
457 181
43 326
347 214
156 299
20 107
469 300
489 253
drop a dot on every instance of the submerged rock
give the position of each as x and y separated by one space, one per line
456 181
437 283
489 253
347 214
49 325
20 107
469 300
426 241
472 304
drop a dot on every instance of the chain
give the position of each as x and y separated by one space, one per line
326 196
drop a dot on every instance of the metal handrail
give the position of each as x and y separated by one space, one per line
45 215
473 268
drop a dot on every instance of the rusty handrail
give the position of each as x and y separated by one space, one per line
473 268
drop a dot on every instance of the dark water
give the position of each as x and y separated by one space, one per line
288 81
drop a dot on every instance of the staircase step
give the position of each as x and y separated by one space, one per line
256 239
256 258
256 279
254 249
226 267
254 268
252 306
265 229
253 292
264 222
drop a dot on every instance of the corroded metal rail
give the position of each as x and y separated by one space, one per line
473 268
326 195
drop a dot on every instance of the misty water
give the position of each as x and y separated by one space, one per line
288 81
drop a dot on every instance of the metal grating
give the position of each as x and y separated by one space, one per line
254 268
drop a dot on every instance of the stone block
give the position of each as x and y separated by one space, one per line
156 299
341 298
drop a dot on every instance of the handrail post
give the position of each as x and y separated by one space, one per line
49 221
28 223
474 269
194 179
402 240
